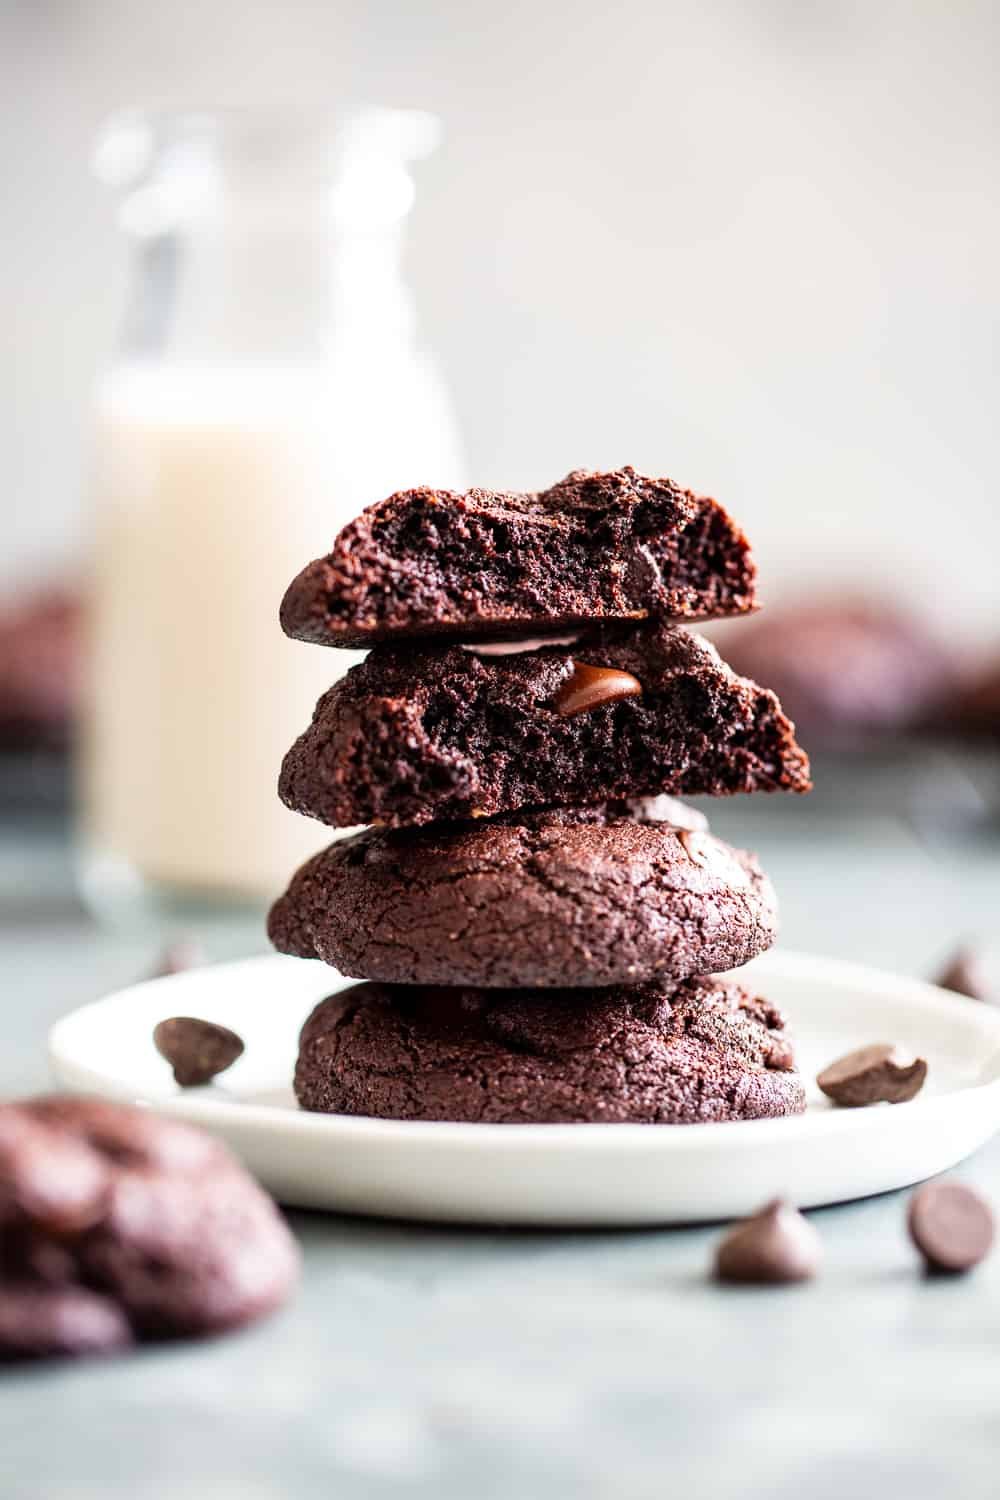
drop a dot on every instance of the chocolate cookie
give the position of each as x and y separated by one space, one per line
416 734
975 709
564 898
848 672
117 1225
40 670
707 1050
491 565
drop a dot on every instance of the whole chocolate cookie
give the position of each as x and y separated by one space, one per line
417 734
578 897
489 565
707 1050
117 1225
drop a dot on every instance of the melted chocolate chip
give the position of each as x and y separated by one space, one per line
963 973
590 687
775 1245
880 1073
951 1226
196 1050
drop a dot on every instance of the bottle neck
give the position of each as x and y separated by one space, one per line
369 300
288 290
266 240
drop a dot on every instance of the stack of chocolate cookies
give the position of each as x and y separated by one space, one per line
540 925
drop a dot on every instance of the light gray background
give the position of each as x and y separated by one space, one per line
753 245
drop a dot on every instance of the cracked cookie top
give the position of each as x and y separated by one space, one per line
585 897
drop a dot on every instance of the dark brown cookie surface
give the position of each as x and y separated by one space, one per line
117 1225
565 898
615 546
413 735
655 1054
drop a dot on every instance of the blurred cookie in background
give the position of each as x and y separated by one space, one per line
40 651
40 682
848 672
976 710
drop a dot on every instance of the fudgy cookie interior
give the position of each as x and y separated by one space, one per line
417 734
595 546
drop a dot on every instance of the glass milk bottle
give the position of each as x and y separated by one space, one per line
268 388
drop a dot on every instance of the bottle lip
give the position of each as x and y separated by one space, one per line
172 169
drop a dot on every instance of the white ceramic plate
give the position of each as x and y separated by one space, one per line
557 1174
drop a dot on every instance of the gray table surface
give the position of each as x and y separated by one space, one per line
442 1362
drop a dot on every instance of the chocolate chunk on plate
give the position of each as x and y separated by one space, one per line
880 1073
492 565
196 1050
579 897
775 1245
951 1225
417 734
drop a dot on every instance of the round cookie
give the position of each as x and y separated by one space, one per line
707 1050
117 1225
572 897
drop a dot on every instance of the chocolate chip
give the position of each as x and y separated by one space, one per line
963 973
179 954
880 1073
643 573
196 1050
951 1225
775 1245
589 687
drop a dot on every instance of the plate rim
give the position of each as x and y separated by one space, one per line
472 1136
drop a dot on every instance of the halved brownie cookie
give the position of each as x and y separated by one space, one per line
417 734
487 565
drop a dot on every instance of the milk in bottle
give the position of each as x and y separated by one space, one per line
270 387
